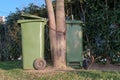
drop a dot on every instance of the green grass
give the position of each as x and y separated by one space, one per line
12 70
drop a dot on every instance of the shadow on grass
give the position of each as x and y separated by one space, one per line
7 65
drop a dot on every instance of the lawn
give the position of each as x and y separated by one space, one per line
12 70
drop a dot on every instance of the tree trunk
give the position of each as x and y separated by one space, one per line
57 33
52 28
61 36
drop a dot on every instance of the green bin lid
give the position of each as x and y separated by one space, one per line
30 16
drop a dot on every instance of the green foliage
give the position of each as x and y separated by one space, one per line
12 42
102 26
35 10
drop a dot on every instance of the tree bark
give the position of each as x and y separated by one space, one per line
52 28
61 36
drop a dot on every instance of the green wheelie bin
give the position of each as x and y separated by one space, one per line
74 55
32 31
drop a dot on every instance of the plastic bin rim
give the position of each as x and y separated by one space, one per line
31 20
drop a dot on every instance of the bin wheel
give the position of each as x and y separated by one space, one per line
39 64
88 62
85 64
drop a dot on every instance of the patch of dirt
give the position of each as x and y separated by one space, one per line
50 70
105 67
